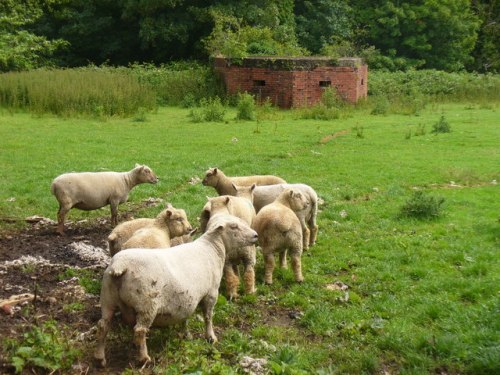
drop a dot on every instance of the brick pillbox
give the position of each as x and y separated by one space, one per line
294 81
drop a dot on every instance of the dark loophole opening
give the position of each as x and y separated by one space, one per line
259 82
325 83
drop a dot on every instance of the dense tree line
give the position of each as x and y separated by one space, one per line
440 34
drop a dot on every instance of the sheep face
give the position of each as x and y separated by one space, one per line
234 231
211 177
296 199
146 174
177 222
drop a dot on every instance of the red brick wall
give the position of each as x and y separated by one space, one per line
294 88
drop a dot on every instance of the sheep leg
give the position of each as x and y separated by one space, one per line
61 215
232 281
311 223
185 334
207 307
249 279
114 212
283 263
268 268
140 333
102 331
297 265
306 234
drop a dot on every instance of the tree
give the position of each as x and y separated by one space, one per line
21 49
487 51
322 22
438 34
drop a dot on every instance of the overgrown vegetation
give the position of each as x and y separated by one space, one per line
45 347
442 126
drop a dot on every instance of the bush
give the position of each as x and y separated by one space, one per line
442 126
245 107
422 206
209 110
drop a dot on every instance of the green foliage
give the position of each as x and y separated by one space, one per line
209 110
432 34
381 106
487 50
87 91
442 126
422 206
322 22
45 347
245 107
433 83
21 49
231 37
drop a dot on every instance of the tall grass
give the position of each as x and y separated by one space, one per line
73 92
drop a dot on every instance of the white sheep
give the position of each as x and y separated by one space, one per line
223 184
264 195
246 255
157 287
279 230
170 223
92 190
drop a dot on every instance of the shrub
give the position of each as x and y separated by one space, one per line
331 99
45 347
209 110
422 206
320 112
245 107
442 126
381 106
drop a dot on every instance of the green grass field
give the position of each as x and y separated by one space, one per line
423 295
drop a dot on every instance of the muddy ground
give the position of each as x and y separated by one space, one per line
34 261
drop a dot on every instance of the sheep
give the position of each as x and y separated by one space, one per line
243 209
279 229
93 190
157 287
264 195
219 181
170 223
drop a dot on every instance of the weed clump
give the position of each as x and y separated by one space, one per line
245 107
442 126
209 110
44 347
422 206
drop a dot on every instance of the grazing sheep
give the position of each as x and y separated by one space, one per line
264 195
171 223
243 209
157 287
279 230
223 184
93 190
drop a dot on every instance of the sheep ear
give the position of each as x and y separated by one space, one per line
219 227
169 212
169 205
233 225
234 186
291 193
215 171
227 200
252 188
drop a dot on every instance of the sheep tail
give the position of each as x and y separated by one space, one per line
118 267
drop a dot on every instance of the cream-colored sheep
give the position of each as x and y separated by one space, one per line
157 287
264 195
243 209
223 184
279 230
92 190
171 223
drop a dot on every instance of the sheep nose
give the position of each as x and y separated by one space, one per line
255 238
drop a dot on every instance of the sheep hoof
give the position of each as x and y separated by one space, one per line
212 339
144 359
